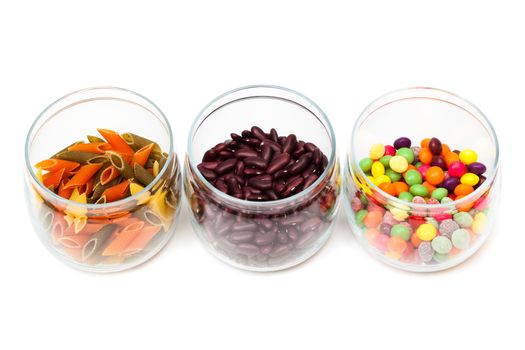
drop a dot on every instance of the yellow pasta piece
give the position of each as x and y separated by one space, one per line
143 198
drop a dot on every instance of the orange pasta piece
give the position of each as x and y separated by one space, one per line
109 174
91 228
74 241
57 164
126 221
64 192
93 147
114 193
116 141
123 239
142 239
85 173
87 188
142 155
75 253
53 179
58 227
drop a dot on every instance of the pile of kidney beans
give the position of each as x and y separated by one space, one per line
259 166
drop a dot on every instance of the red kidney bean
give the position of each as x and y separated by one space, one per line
273 145
310 180
262 182
208 174
256 162
262 239
289 143
239 169
252 172
300 164
240 237
244 153
292 186
266 152
278 163
317 156
209 165
253 142
310 147
310 224
258 133
221 186
209 156
226 166
247 134
274 135
293 234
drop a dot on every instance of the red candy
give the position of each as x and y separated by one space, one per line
423 170
390 150
457 169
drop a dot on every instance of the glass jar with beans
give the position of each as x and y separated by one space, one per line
262 178
421 179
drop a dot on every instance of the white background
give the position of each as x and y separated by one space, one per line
339 54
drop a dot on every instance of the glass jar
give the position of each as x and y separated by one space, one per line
279 233
77 233
419 113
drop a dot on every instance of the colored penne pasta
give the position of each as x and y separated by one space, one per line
84 174
142 155
116 192
120 164
92 147
77 156
118 144
142 175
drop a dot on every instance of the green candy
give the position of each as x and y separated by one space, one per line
366 164
418 164
413 177
394 176
419 190
446 200
440 257
406 153
400 231
442 245
406 196
464 220
439 193
360 216
461 238
430 220
385 160
363 199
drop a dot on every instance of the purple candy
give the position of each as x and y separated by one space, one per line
450 184
439 161
435 146
402 142
477 168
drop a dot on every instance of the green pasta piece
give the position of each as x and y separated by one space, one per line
65 149
101 200
96 177
98 189
137 142
98 242
121 165
148 215
93 139
99 159
142 175
162 160
77 156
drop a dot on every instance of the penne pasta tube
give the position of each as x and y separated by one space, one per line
137 142
56 165
93 139
97 242
77 156
142 175
120 164
116 141
84 174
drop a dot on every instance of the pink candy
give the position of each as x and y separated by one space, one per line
457 169
390 151
423 170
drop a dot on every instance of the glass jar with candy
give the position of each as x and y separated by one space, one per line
262 178
421 179
103 180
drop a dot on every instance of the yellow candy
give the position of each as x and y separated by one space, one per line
426 232
381 179
480 221
377 151
469 179
378 169
398 164
393 255
468 156
372 180
399 214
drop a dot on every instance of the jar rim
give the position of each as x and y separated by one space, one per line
398 202
29 166
318 113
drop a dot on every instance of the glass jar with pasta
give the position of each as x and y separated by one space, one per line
103 180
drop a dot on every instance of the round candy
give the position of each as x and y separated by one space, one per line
447 227
377 151
425 251
470 179
463 219
385 228
396 244
398 164
460 238
423 170
439 161
401 231
378 169
381 179
468 156
359 217
450 184
434 145
419 190
430 220
439 193
388 218
373 218
477 168
440 257
406 153
402 142
394 176
366 164
441 245
457 169
406 196
434 175
389 150
418 200
463 190
385 160
425 156
446 200
413 177
426 232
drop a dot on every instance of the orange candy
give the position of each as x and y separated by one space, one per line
373 219
463 190
415 240
465 206
371 234
425 142
450 158
430 188
400 187
444 149
388 188
434 175
425 156
396 244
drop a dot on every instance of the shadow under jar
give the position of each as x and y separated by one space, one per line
272 233
139 224
418 236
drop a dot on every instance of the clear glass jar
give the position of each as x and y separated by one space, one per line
294 228
151 212
420 113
